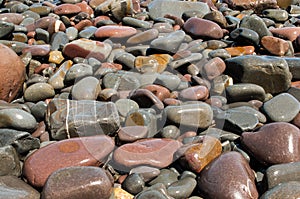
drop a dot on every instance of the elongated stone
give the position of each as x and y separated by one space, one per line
84 151
198 115
17 119
71 118
153 152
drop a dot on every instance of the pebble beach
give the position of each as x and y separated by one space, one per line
149 99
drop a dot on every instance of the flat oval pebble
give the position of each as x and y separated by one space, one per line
17 119
183 188
232 169
66 9
244 92
282 108
84 151
143 37
153 152
290 33
203 28
14 18
198 115
274 143
214 68
12 80
65 183
194 93
39 92
115 31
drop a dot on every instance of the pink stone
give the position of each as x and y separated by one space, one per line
115 31
66 9
152 152
194 93
14 18
12 72
290 33
37 50
214 68
274 143
203 28
84 151
275 45
158 90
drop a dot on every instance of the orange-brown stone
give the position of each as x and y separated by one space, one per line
200 155
239 51
12 72
275 45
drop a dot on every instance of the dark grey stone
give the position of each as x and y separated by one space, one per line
10 163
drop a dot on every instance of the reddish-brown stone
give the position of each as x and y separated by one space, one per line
228 176
275 45
14 18
12 72
85 7
203 28
152 152
274 143
290 33
113 31
201 154
37 50
84 151
66 9
161 92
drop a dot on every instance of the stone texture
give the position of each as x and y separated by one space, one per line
275 46
271 73
201 154
232 169
10 163
160 8
282 173
244 92
282 108
39 92
198 115
17 119
85 151
285 190
153 152
111 31
13 187
203 28
87 48
85 118
13 73
274 143
87 88
78 182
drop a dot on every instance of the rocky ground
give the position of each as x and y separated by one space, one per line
122 99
